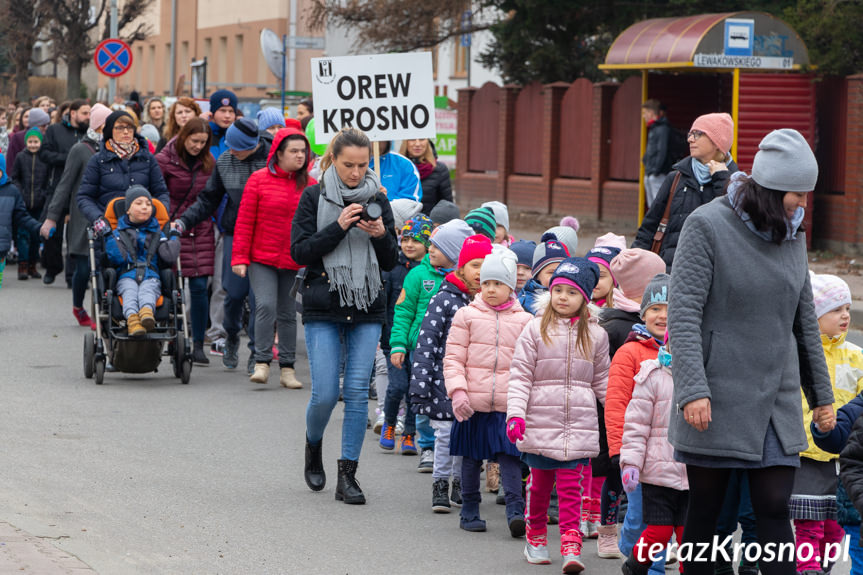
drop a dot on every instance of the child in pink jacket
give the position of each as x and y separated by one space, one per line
476 366
559 371
646 456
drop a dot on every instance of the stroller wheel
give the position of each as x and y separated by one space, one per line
99 372
89 354
186 372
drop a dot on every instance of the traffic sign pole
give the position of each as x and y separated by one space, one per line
112 82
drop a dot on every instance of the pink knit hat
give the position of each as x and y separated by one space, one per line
610 240
98 114
718 127
828 293
634 268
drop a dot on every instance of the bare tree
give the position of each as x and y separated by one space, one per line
72 23
402 25
20 25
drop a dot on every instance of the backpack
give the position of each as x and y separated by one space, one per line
678 146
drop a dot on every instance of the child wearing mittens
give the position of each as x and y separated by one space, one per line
559 371
427 390
647 457
476 366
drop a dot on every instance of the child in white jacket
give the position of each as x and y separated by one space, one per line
648 457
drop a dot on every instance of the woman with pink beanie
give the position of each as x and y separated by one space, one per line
703 177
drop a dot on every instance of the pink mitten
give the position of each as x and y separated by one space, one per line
461 405
629 478
515 429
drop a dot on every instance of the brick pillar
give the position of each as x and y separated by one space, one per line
505 139
600 145
854 160
552 96
465 97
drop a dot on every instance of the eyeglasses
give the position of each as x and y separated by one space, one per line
694 134
123 128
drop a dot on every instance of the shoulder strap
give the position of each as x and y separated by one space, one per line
663 223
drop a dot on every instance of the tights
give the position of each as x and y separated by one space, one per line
771 490
611 490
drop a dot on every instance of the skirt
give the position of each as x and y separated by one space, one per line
482 436
814 494
663 505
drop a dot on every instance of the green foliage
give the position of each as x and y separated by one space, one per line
562 40
831 31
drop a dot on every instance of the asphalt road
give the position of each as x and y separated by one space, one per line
145 475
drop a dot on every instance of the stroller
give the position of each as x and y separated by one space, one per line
111 341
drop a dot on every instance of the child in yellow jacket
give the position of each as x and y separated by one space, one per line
813 498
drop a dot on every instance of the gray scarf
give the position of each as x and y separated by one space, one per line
353 266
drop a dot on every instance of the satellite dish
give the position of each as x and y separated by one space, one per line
273 51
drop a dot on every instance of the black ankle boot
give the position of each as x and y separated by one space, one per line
347 488
633 567
199 356
316 479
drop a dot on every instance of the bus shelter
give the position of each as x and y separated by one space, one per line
749 64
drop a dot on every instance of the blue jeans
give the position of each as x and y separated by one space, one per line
28 244
633 525
854 550
80 278
236 290
425 433
199 306
324 344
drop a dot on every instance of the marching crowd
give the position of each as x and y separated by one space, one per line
700 375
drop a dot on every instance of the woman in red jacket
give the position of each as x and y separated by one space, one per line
186 165
262 247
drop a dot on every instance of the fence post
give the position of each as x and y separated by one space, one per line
600 139
506 134
552 97
465 96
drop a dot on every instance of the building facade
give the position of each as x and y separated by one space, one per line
226 33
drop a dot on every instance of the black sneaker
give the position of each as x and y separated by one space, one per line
198 355
230 359
48 278
426 464
440 496
455 495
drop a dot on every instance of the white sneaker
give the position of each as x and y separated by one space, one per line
379 424
400 424
261 373
592 529
537 554
288 378
583 527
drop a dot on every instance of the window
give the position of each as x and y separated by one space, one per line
139 66
151 65
460 59
184 57
222 57
238 59
169 88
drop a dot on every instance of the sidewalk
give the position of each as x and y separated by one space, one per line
21 552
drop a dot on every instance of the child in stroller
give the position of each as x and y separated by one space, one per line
136 247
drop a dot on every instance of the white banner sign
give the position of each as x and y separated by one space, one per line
726 61
387 96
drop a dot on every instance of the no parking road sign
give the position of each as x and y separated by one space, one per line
113 57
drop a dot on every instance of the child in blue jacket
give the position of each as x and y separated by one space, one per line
137 247
12 211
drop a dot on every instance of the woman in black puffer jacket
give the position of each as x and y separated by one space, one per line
344 303
703 177
434 175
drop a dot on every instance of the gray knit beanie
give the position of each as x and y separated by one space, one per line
403 210
656 292
568 236
449 237
443 212
785 162
501 265
501 213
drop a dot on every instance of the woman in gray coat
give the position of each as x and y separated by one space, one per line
63 203
745 340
